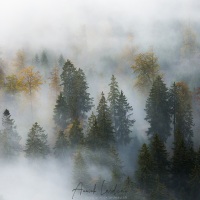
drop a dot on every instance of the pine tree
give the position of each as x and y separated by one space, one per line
160 159
61 146
60 112
124 122
113 97
104 122
144 173
61 61
76 137
158 110
36 144
181 111
9 139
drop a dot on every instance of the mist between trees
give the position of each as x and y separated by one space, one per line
54 133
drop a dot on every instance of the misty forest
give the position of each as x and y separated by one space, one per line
101 109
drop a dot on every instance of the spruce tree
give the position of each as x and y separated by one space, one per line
75 91
9 139
113 97
92 139
181 166
36 143
76 137
60 112
36 61
160 159
158 110
61 61
181 111
61 146
44 59
144 173
124 112
106 131
194 181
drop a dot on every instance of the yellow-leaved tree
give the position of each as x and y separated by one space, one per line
29 81
146 68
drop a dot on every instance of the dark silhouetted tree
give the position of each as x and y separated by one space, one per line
106 131
158 110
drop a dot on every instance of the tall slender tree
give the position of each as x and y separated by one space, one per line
104 121
158 110
125 123
181 111
113 97
60 112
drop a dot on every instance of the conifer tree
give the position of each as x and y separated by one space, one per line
80 96
104 121
75 91
158 110
36 144
36 60
61 61
160 159
144 173
180 166
113 97
92 139
61 146
195 178
9 139
76 136
181 111
44 59
124 112
61 112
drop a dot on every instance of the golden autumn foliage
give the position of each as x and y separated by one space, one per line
29 80
12 84
146 68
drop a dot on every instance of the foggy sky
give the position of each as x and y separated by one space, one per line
58 23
